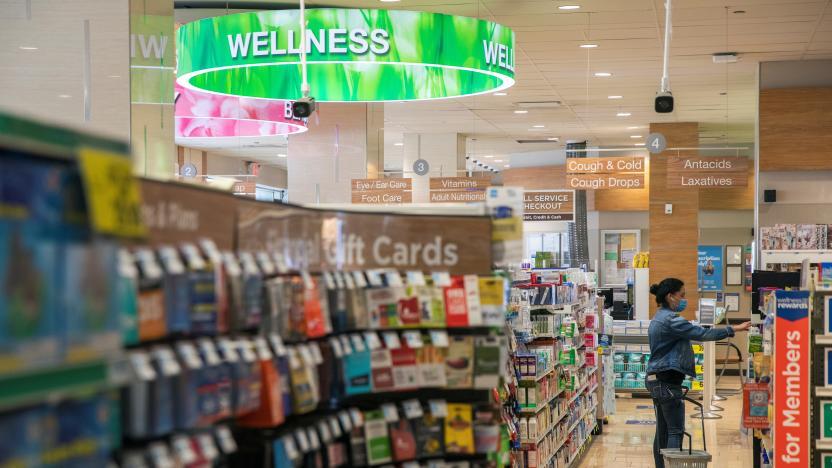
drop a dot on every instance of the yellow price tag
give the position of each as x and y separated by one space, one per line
700 369
698 349
506 229
696 385
113 195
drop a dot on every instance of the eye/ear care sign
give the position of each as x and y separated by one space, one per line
321 240
792 403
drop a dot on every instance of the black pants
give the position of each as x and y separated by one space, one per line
670 416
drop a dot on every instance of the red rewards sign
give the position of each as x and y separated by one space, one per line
791 379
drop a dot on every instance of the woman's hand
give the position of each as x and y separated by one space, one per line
742 327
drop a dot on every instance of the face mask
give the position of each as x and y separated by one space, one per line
683 303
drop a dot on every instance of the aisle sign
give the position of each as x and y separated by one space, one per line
112 192
709 172
458 189
792 402
605 173
549 205
393 190
709 269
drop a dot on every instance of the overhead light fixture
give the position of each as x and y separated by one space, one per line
398 144
521 111
489 156
725 57
635 136
64 96
552 138
538 104
500 94
569 7
623 114
633 127
588 46
602 74
506 166
498 160
113 76
539 126
615 97
639 144
281 155
28 48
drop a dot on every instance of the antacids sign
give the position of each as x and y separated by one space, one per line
352 55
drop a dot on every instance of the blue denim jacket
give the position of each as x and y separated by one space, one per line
670 336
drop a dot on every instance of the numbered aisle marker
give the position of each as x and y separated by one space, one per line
112 192
656 143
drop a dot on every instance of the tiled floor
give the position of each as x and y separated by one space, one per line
625 445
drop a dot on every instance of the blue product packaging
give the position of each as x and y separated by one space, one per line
202 297
281 363
127 294
357 371
31 225
80 423
252 297
215 391
135 399
187 386
176 288
164 397
22 442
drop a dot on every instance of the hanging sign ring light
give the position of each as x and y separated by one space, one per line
352 55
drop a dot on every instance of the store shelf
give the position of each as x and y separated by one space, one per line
54 383
572 428
539 377
823 339
578 393
582 450
540 407
823 391
795 256
631 339
823 444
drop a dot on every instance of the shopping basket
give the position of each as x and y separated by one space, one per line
681 458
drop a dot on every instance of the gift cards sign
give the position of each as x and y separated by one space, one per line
792 403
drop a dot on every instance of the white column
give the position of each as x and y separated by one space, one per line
444 152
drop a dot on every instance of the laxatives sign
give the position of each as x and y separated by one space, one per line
707 172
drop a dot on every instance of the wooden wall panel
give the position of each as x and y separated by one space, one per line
794 129
536 178
674 238
740 198
625 200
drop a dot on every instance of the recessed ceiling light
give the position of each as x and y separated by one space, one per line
506 166
489 156
539 126
28 48
552 138
281 155
639 144
615 97
500 94
635 136
588 46
398 144
633 128
64 96
569 7
623 114
498 160
521 112
113 76
602 74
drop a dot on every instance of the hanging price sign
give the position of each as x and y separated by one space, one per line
112 193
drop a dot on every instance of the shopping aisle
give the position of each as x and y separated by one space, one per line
625 445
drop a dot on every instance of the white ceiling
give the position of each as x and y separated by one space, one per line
551 66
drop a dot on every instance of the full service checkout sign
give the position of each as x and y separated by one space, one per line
605 173
549 205
791 379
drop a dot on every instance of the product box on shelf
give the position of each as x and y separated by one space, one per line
456 309
377 438
489 352
175 287
493 302
459 431
459 363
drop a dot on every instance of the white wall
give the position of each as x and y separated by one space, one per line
802 197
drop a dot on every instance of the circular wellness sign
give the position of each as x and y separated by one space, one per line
352 55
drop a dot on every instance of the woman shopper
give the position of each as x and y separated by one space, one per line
671 358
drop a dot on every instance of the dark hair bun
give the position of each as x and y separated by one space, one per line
654 289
